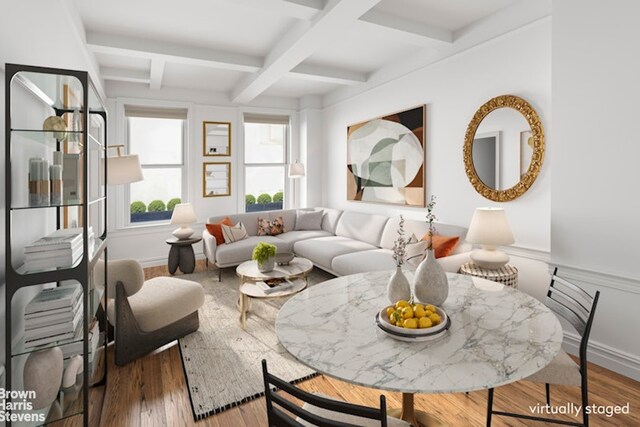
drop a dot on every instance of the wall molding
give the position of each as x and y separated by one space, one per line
604 355
598 279
524 252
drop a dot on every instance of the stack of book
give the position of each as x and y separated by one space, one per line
53 315
60 249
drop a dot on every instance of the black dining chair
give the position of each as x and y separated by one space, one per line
578 308
318 410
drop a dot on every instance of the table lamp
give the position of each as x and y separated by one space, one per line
123 169
296 170
183 215
489 228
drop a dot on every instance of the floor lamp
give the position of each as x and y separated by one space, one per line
296 171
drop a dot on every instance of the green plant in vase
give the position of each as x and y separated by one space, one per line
263 254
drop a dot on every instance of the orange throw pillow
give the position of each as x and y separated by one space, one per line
442 245
216 229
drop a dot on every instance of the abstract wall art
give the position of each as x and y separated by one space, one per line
386 159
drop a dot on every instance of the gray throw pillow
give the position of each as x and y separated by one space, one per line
309 220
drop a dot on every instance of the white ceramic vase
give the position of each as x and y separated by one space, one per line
430 284
398 287
267 266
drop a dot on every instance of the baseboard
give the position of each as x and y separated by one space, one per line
606 356
523 252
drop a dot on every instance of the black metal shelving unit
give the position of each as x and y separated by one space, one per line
91 210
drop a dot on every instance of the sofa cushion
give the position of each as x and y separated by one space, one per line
239 252
235 233
322 250
361 226
330 218
309 220
270 227
162 301
216 229
287 215
359 262
419 228
295 236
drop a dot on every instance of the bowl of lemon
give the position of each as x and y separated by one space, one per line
413 322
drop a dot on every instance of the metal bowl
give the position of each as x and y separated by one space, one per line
284 258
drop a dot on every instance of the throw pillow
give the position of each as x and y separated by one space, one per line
235 233
309 220
270 228
442 245
216 229
415 251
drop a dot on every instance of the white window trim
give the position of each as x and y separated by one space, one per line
291 151
119 214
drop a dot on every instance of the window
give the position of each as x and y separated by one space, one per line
157 137
265 154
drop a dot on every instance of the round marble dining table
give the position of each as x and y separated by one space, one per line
498 335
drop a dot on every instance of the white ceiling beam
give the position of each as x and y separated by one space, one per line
182 54
299 43
157 70
299 9
417 33
328 74
117 74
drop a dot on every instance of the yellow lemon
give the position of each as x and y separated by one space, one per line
428 313
424 322
399 324
407 312
402 303
410 323
395 317
435 318
418 311
418 305
390 310
430 308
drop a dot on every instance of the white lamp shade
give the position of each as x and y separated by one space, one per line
124 170
183 214
489 226
296 170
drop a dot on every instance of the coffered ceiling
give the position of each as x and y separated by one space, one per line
285 48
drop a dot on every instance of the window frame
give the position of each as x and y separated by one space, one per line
182 166
284 164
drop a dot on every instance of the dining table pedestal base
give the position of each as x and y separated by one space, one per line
413 417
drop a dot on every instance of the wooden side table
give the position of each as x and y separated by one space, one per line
181 255
507 274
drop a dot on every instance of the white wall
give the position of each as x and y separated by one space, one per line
595 209
518 63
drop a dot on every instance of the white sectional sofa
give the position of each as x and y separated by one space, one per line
347 243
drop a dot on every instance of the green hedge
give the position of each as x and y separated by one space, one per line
157 206
264 198
172 203
278 197
250 199
138 207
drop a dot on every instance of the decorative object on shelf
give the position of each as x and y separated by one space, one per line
399 287
264 254
517 120
489 228
39 185
55 173
216 179
183 216
507 274
56 125
76 127
430 284
72 381
123 169
216 139
43 374
295 172
376 149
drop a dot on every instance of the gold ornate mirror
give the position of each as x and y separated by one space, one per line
504 148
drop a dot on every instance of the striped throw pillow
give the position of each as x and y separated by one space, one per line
235 233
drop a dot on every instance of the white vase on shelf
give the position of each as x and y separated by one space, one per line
430 284
399 287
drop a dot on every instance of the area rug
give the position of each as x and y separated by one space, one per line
222 363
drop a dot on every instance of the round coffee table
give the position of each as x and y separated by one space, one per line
249 274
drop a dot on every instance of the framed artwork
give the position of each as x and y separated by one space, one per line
216 139
216 179
386 159
526 151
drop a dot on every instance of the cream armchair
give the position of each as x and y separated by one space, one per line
148 314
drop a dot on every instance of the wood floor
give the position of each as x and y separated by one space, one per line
152 391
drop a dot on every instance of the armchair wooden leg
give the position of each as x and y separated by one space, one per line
489 407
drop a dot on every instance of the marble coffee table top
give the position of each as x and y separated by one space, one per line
297 267
498 335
